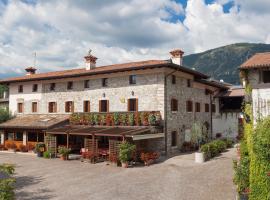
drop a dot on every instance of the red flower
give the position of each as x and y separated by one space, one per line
268 173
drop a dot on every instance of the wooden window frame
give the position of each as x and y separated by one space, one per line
86 84
136 105
20 89
104 82
173 79
86 102
54 107
207 107
132 79
265 76
52 86
20 107
189 106
197 107
69 106
70 85
174 105
34 107
174 139
100 105
35 88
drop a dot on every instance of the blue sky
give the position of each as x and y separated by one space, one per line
61 32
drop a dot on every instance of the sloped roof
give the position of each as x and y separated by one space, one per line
259 60
233 92
103 70
34 121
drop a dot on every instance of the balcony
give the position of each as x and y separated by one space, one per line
142 118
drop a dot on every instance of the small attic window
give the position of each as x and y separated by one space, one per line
266 76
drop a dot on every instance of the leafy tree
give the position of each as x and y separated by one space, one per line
4 115
7 183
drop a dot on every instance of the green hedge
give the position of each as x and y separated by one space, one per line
213 148
260 162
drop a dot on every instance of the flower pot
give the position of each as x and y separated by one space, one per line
199 157
62 157
124 164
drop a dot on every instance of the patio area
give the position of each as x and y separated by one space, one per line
176 178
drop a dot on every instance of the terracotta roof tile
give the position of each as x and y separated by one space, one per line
101 70
259 60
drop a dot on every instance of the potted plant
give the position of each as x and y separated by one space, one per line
149 158
31 147
102 119
116 118
95 119
131 119
64 152
152 119
197 138
39 149
11 147
108 119
125 153
123 119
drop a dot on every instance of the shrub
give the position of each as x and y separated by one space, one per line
126 151
102 119
116 118
64 151
23 148
123 119
149 157
7 184
213 148
95 119
47 154
228 142
131 119
152 119
40 147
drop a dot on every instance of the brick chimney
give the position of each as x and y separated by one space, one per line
30 71
90 61
177 56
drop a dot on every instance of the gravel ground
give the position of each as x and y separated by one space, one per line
176 178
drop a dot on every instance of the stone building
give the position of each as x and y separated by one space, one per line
255 75
182 97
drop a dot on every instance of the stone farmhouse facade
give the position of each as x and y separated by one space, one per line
255 74
181 95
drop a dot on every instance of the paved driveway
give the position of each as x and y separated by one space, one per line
176 178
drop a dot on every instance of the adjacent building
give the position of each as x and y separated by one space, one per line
43 102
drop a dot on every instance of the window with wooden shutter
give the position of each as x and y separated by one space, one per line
103 106
20 107
52 107
52 86
69 106
70 85
34 107
197 107
189 105
206 107
20 88
213 108
35 88
174 139
174 105
133 105
104 82
132 79
86 84
86 106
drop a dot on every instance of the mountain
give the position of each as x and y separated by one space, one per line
223 62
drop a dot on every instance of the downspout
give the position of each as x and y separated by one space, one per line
165 111
211 117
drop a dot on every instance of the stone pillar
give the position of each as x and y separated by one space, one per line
2 139
24 138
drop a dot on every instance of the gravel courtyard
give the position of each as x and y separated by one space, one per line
176 178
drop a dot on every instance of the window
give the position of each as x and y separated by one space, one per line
104 82
52 107
69 107
132 79
188 83
52 86
20 88
189 105
34 107
197 107
70 85
132 105
173 79
20 108
174 105
266 76
86 106
35 88
206 107
103 106
174 138
18 136
86 84
213 108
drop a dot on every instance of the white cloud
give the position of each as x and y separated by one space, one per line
61 32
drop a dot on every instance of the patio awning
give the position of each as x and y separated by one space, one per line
106 131
35 121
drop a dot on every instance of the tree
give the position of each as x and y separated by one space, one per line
4 115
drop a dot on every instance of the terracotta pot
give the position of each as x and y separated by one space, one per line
62 157
124 165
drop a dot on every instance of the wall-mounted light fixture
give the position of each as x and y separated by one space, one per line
104 95
132 93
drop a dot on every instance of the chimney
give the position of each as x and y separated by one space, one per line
90 61
30 71
177 56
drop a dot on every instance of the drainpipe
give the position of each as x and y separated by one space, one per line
165 110
211 117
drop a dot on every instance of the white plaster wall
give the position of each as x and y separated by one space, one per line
226 124
261 103
27 97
